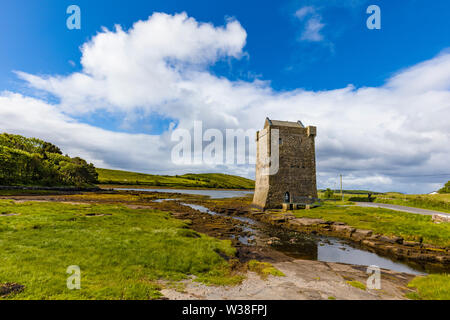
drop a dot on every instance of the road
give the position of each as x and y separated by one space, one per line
400 208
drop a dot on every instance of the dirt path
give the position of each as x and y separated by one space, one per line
303 280
400 208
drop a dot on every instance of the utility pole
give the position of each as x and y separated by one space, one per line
342 193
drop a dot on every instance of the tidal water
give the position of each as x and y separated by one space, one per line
296 244
311 247
212 193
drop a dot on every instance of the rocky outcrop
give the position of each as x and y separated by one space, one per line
439 218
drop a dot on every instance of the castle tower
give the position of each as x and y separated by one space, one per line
291 176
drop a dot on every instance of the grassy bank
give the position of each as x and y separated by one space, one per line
410 226
431 287
121 252
205 180
438 202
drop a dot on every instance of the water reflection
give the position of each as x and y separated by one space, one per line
310 247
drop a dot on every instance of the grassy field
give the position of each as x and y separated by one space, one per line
205 180
121 252
18 192
407 225
431 287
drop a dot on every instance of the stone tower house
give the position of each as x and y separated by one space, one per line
290 177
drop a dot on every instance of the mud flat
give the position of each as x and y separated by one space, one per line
303 280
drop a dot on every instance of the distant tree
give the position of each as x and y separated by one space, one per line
446 188
30 161
51 148
328 193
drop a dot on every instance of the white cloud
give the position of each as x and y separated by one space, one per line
312 30
312 24
145 66
373 135
304 11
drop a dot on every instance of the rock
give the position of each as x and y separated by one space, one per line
411 244
306 222
443 259
337 223
289 216
426 257
394 239
8 288
277 219
375 237
397 250
369 243
398 240
362 233
343 229
439 218
272 240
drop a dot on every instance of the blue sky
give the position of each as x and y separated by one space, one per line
36 40
275 52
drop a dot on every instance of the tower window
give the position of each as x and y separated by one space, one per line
287 197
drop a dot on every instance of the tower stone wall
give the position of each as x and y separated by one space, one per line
295 178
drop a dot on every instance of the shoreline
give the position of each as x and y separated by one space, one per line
122 186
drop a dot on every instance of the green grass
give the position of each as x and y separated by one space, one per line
20 192
264 269
357 284
383 221
431 287
438 202
121 254
205 180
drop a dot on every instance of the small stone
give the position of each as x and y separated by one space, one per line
369 243
362 233
344 229
443 259
411 243
439 218
394 239
278 219
306 221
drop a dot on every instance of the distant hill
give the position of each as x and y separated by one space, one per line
34 162
190 180
338 191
